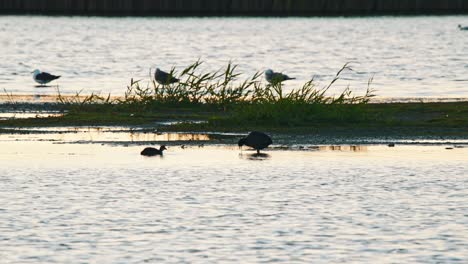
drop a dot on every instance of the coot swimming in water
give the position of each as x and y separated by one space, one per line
153 151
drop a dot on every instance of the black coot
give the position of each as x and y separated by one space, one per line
256 140
153 151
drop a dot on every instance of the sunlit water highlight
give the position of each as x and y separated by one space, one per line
110 135
24 115
408 56
105 203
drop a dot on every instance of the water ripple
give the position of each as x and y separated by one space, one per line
102 54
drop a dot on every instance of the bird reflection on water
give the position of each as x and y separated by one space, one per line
255 156
352 148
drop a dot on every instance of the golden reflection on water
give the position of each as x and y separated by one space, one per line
341 196
352 148
348 148
169 137
255 156
42 98
6 116
27 98
114 134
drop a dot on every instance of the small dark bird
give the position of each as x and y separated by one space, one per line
276 77
164 78
153 151
43 77
256 140
460 27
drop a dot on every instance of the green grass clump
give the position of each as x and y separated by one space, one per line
296 114
221 97
240 101
224 89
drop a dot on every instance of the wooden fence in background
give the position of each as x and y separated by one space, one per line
233 7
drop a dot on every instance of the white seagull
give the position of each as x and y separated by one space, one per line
43 77
276 77
164 78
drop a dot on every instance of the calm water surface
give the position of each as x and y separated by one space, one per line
409 56
93 203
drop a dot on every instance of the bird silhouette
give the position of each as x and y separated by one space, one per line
149 151
257 140
164 78
276 77
43 77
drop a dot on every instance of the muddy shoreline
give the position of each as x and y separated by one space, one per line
135 136
410 123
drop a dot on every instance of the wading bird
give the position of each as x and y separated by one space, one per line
164 78
43 77
149 151
276 77
256 140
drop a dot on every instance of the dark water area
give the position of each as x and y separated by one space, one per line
238 7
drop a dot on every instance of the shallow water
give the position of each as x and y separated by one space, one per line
24 115
109 135
94 203
408 56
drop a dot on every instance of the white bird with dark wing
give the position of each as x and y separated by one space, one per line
43 77
276 77
164 78
460 27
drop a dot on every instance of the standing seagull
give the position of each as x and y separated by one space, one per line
276 77
164 78
256 140
43 77
460 27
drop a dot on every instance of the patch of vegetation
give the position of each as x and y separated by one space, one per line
227 103
223 95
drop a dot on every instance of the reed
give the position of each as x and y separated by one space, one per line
223 88
79 102
9 97
248 100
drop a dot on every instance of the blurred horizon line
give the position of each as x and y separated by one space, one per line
234 7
